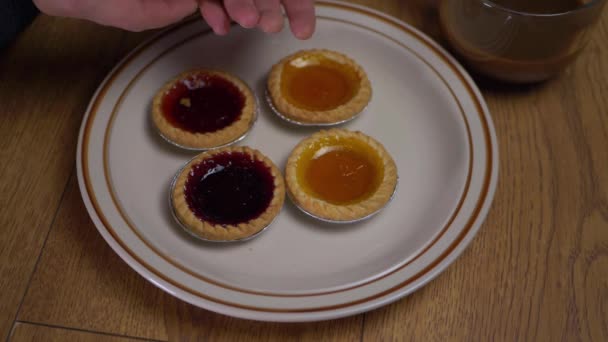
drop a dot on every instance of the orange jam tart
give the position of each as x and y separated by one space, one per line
228 194
339 175
318 87
203 109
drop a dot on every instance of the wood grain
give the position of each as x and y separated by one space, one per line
81 283
46 80
189 323
24 332
537 271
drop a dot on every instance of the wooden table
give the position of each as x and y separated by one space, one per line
538 269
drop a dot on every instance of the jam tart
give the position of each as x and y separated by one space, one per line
203 109
340 176
318 87
228 194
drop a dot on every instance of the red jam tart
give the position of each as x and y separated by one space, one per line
203 109
228 194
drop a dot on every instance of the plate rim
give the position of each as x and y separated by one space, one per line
476 217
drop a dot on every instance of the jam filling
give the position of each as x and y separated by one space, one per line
340 172
318 83
229 188
203 103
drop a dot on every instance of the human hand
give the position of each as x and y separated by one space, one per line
138 15
132 15
264 14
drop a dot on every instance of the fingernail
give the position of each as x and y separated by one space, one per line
303 34
250 22
268 25
249 18
221 31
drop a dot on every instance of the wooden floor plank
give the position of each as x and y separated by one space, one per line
25 332
538 269
80 282
45 84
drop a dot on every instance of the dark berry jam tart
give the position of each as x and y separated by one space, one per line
204 109
228 194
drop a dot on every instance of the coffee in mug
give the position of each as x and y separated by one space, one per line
518 40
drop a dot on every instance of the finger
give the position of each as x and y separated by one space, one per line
134 15
243 12
271 17
215 15
301 14
149 14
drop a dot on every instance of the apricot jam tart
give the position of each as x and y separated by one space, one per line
318 87
228 194
203 109
339 175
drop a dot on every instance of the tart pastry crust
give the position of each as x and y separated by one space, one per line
207 140
220 232
351 211
355 105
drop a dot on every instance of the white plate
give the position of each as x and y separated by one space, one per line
425 110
